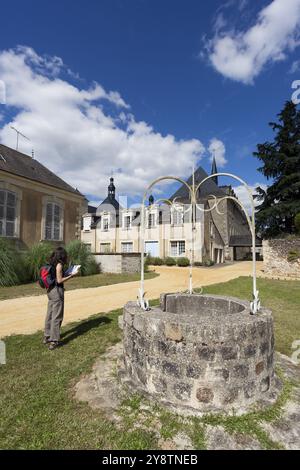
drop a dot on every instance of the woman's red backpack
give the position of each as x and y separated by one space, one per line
46 278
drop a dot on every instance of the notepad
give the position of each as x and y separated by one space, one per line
73 270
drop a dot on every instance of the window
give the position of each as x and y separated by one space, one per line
87 223
151 220
127 222
105 225
53 222
177 248
8 209
177 217
127 247
105 248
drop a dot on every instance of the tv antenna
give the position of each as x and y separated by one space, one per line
19 133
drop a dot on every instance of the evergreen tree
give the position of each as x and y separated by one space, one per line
281 164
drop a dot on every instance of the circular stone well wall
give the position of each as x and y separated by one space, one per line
200 353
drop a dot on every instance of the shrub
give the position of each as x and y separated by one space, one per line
198 263
12 268
183 262
156 261
37 256
79 253
293 255
169 261
146 264
297 222
209 262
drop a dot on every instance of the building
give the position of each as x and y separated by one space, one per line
168 231
35 204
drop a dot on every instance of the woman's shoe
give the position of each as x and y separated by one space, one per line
53 345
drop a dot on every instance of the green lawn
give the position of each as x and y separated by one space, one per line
37 409
96 280
282 297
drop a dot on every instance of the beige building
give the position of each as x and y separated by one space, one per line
35 204
111 228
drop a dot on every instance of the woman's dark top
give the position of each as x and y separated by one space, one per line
53 273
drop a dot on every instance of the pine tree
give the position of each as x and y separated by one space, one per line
281 164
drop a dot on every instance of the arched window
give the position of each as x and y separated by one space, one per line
8 213
53 222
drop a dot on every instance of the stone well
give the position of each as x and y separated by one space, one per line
200 353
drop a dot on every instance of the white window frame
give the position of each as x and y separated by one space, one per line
87 220
105 219
53 238
176 213
6 206
107 244
11 188
127 216
178 251
59 202
126 244
151 214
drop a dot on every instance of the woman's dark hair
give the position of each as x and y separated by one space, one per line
59 256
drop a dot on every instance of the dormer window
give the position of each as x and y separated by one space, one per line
151 220
127 222
105 223
177 216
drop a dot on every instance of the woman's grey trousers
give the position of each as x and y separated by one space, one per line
55 313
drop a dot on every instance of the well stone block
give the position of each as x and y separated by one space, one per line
200 353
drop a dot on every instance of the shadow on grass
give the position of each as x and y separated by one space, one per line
82 328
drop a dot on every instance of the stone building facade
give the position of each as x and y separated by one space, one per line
35 204
168 230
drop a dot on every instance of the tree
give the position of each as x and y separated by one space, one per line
281 164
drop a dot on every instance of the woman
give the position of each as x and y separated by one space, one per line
55 311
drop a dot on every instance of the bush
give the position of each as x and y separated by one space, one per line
169 261
37 256
156 261
198 263
208 262
183 262
293 256
12 266
79 253
297 222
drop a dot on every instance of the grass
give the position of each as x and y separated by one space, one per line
96 280
38 411
282 297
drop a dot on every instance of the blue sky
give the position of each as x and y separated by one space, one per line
191 70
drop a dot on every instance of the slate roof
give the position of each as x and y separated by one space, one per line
23 165
106 203
209 187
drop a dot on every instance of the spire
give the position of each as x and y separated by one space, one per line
111 189
214 170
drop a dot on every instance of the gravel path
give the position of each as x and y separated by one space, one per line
26 315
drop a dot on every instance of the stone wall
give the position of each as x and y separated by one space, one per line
276 252
119 262
202 353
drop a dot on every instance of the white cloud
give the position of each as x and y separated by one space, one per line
243 195
75 135
242 55
295 67
217 149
